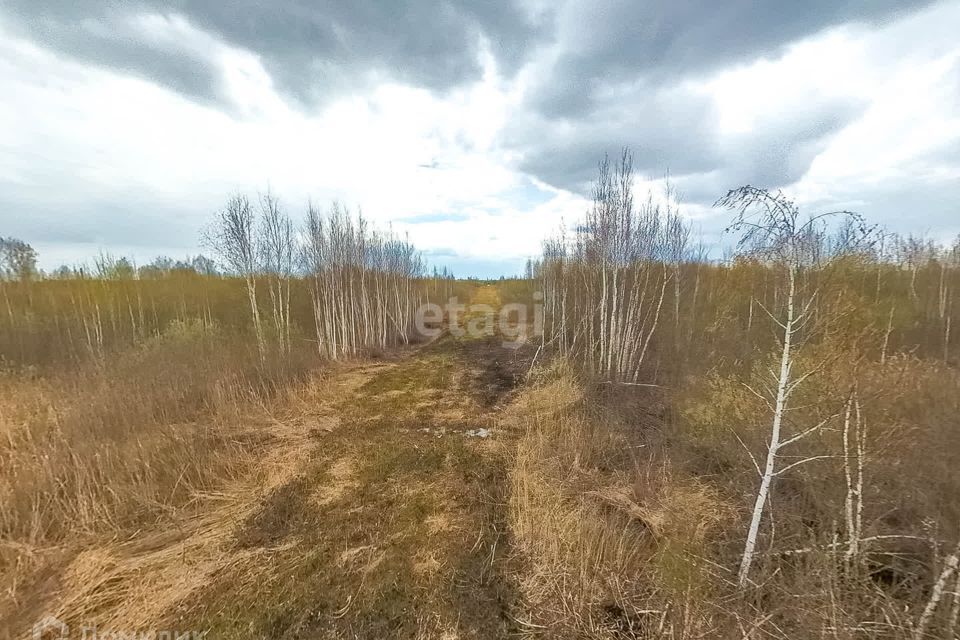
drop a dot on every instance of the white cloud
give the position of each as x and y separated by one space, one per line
75 135
93 158
905 79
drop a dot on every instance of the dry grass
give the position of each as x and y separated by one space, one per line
609 533
122 458
107 448
180 480
341 518
632 527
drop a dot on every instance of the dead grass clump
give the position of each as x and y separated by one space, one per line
610 546
107 448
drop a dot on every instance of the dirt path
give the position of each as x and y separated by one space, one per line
376 509
393 526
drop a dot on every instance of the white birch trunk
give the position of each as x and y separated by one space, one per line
949 569
749 549
886 338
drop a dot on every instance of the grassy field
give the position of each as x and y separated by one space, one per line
366 499
463 487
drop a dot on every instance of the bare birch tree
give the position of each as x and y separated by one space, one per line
772 229
364 283
232 237
951 566
276 249
604 288
854 450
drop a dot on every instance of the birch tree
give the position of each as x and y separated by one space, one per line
276 249
951 566
605 286
364 283
232 236
854 449
773 230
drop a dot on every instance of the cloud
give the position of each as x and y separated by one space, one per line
475 127
693 147
145 173
664 41
564 154
165 49
777 154
434 217
732 96
312 50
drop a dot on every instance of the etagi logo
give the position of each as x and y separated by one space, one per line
512 322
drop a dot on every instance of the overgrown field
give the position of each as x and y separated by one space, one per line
761 447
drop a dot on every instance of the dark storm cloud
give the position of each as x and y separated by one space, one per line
310 48
103 34
777 153
664 40
675 131
565 154
783 148
617 72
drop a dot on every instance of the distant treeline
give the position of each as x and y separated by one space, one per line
333 284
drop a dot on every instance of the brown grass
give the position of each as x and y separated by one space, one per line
118 459
631 526
606 528
177 479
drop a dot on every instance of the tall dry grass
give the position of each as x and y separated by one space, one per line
611 536
115 445
630 504
629 507
59 323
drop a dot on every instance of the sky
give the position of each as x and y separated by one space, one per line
476 127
